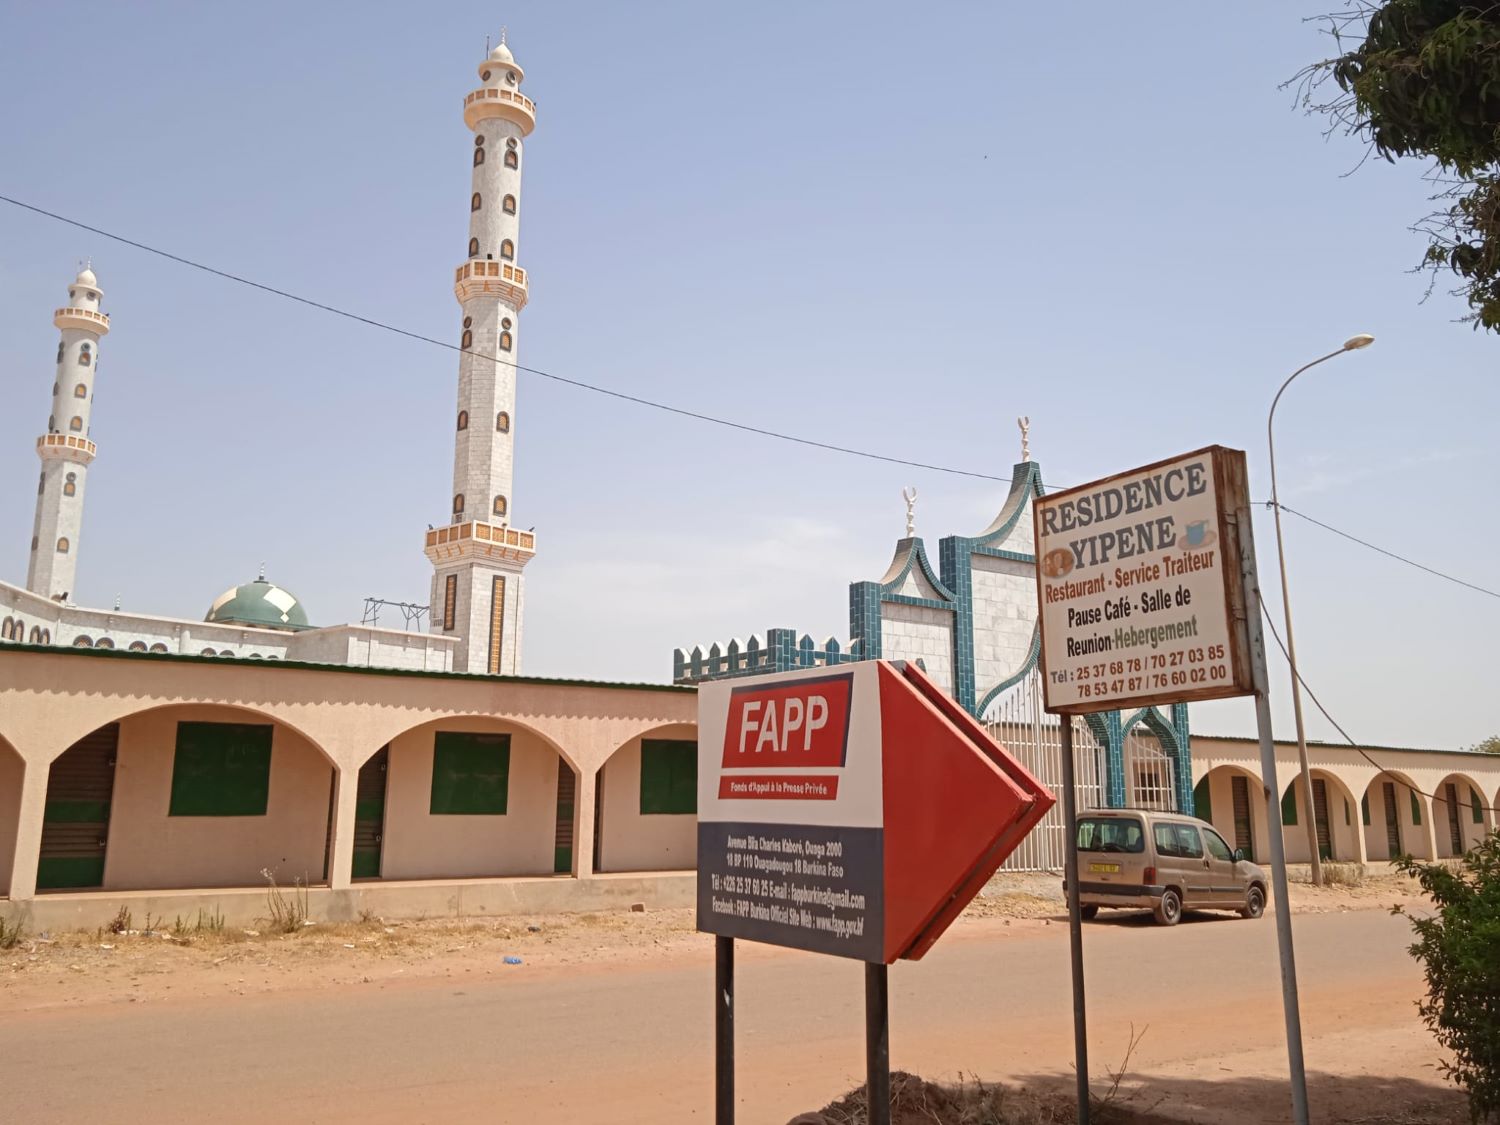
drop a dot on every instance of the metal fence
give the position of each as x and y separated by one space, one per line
1034 738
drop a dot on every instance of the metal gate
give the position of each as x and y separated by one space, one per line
369 814
1244 833
1149 776
1320 818
1455 826
1034 738
75 821
1392 821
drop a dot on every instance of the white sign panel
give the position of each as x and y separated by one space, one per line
1138 577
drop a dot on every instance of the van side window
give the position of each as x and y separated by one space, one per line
1178 840
1216 845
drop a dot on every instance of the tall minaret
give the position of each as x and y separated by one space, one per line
65 449
477 587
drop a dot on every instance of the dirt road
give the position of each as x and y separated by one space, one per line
630 1040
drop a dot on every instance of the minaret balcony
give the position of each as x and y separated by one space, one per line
490 101
479 540
489 278
87 319
65 447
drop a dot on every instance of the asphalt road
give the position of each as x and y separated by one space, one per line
633 1043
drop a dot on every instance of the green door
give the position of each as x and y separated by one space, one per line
75 820
369 814
562 841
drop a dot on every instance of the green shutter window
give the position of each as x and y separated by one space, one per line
1364 810
669 777
1416 809
1202 806
1289 804
470 774
221 769
1477 806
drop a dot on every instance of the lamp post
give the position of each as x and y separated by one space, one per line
1351 344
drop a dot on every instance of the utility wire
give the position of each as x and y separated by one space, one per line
639 401
623 396
1360 750
1383 551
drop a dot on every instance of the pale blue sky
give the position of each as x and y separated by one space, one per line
876 225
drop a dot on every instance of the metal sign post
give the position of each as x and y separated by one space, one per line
878 1044
1075 923
723 1030
1289 1002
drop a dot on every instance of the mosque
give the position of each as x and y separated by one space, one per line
478 593
164 764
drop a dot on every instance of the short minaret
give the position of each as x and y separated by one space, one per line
477 587
65 449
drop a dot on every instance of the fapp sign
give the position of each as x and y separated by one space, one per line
853 812
1139 583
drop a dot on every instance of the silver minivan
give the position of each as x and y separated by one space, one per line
1164 862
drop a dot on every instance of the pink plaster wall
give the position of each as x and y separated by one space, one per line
10 810
149 850
418 845
630 841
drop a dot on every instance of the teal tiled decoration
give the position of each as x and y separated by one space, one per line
783 650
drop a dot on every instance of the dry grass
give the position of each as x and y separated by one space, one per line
1344 874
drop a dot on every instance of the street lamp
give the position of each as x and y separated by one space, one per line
1352 344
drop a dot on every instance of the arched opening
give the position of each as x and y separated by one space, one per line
502 422
1394 818
646 803
475 202
75 424
84 355
104 642
508 250
1233 800
463 797
466 341
511 160
1339 832
158 647
463 419
137 646
12 770
1460 816
473 247
187 796
508 205
70 484
478 156
81 391
458 505
505 341
5 628
501 507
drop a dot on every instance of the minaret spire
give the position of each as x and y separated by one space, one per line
477 591
65 449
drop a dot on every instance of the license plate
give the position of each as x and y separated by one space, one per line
1113 868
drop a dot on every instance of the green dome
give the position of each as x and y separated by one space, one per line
260 604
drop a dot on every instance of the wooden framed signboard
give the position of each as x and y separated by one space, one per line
1138 578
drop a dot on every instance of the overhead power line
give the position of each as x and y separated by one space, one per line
1360 750
638 400
1383 551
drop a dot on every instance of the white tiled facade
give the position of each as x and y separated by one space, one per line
491 290
1005 613
914 632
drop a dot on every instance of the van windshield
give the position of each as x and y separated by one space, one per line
1113 834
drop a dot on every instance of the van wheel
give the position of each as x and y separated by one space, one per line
1088 913
1169 908
1255 903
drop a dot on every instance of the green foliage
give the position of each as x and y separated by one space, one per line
1424 81
1490 745
1459 948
